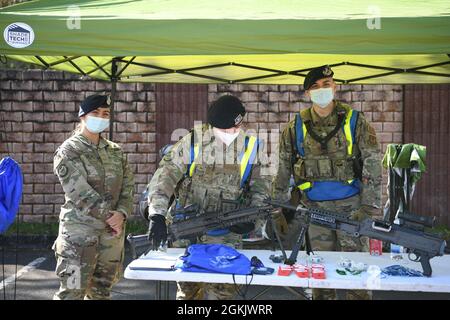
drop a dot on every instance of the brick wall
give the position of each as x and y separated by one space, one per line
39 111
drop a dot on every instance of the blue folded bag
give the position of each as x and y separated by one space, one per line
10 191
214 258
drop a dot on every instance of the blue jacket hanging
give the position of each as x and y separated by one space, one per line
215 258
10 192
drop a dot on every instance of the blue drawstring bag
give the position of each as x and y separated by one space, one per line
10 192
214 258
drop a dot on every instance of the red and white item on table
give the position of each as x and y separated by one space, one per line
318 271
301 270
285 270
376 247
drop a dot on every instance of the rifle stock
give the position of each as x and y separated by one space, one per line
139 244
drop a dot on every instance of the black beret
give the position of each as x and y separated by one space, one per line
226 112
317 74
93 102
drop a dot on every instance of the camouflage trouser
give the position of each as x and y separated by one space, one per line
89 262
209 291
323 239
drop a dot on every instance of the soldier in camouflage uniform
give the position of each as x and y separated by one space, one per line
215 149
98 187
333 154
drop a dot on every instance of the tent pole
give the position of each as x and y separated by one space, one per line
113 96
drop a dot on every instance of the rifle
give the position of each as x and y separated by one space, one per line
191 222
139 244
410 233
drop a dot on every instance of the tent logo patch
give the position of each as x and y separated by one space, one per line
19 35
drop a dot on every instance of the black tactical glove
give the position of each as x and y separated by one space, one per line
157 231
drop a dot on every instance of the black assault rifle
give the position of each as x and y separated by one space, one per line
190 222
410 233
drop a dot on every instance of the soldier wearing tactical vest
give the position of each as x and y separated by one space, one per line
214 160
332 153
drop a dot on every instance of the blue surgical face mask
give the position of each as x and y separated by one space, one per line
322 97
96 125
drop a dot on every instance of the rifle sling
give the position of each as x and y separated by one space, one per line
324 140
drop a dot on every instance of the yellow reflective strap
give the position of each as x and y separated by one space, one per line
192 168
304 131
305 185
348 133
350 181
248 152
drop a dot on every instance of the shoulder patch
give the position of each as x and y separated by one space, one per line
168 156
57 159
113 145
62 171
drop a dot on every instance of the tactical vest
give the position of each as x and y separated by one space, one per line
247 159
326 168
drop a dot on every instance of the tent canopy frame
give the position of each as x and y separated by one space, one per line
274 72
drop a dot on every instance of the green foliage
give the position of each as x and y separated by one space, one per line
28 228
137 227
441 230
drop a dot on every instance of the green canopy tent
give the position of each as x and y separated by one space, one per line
233 41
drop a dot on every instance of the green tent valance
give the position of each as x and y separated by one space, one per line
255 41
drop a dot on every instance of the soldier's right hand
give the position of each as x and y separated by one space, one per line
157 231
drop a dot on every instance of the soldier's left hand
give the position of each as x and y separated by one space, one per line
115 221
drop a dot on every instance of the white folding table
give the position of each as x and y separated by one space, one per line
139 269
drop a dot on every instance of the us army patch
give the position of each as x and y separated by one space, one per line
62 171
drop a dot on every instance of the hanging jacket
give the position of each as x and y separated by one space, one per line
11 183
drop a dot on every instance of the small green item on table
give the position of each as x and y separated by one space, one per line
354 272
341 272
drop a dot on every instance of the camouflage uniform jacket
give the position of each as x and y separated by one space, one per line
217 171
95 180
366 145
